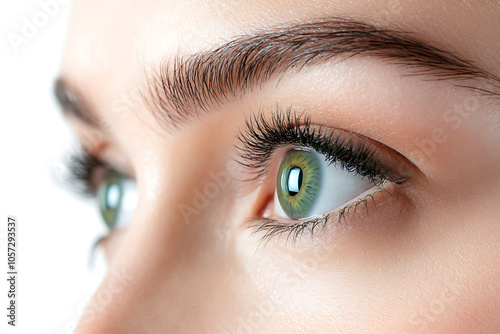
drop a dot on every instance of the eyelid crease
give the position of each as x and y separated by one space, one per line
355 153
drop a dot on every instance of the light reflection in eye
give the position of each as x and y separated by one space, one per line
295 181
113 196
117 197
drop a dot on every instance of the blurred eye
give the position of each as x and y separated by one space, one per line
117 198
308 185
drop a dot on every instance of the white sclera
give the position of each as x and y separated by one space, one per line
338 188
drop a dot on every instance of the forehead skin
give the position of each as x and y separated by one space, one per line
111 40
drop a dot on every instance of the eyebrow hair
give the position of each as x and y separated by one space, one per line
180 90
73 103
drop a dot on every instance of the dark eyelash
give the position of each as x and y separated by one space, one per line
80 167
272 227
263 136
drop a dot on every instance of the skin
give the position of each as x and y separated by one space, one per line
423 261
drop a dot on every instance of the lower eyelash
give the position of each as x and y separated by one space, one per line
273 227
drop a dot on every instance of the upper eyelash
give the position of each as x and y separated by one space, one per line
81 167
262 136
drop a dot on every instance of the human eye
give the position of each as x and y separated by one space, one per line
114 193
312 174
308 185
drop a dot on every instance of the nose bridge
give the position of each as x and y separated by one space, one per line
173 255
115 285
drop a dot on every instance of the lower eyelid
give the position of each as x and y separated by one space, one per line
369 209
356 211
372 198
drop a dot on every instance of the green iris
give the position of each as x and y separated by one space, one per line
110 195
298 182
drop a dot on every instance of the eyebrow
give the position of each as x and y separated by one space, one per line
73 103
182 89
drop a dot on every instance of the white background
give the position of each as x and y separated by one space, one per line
55 229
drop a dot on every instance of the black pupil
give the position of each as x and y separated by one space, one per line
294 181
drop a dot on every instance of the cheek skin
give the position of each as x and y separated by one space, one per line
179 265
431 282
111 244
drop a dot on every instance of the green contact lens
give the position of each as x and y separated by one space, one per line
110 195
298 182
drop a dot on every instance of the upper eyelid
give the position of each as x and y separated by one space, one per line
255 152
82 168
